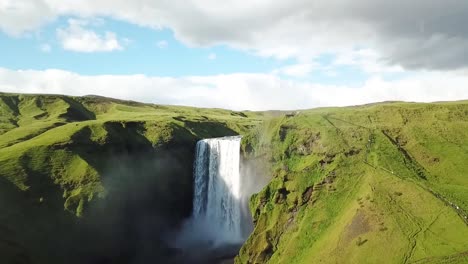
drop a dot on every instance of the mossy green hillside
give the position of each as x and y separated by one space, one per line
382 183
80 176
98 180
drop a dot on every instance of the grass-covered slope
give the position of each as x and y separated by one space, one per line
97 180
383 183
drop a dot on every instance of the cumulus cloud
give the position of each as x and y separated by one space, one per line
417 34
365 59
237 91
76 37
18 16
297 70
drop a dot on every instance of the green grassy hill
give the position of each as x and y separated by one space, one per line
95 180
384 183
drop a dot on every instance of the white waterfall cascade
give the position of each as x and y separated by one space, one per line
217 205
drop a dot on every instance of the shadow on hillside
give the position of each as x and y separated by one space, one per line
149 192
34 228
209 129
12 245
76 111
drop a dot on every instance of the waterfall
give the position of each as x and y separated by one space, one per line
217 189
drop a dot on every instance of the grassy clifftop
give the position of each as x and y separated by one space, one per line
93 179
383 183
31 126
96 180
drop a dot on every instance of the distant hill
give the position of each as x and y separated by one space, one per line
98 180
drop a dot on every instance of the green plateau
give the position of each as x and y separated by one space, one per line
99 180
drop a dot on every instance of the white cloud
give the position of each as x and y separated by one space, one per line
162 44
237 91
428 37
46 48
400 32
76 37
297 70
18 16
367 60
212 56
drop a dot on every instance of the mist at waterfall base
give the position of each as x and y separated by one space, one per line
150 193
220 220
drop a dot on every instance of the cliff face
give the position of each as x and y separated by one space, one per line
381 183
96 180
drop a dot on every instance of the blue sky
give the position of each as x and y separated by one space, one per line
291 55
154 53
142 52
